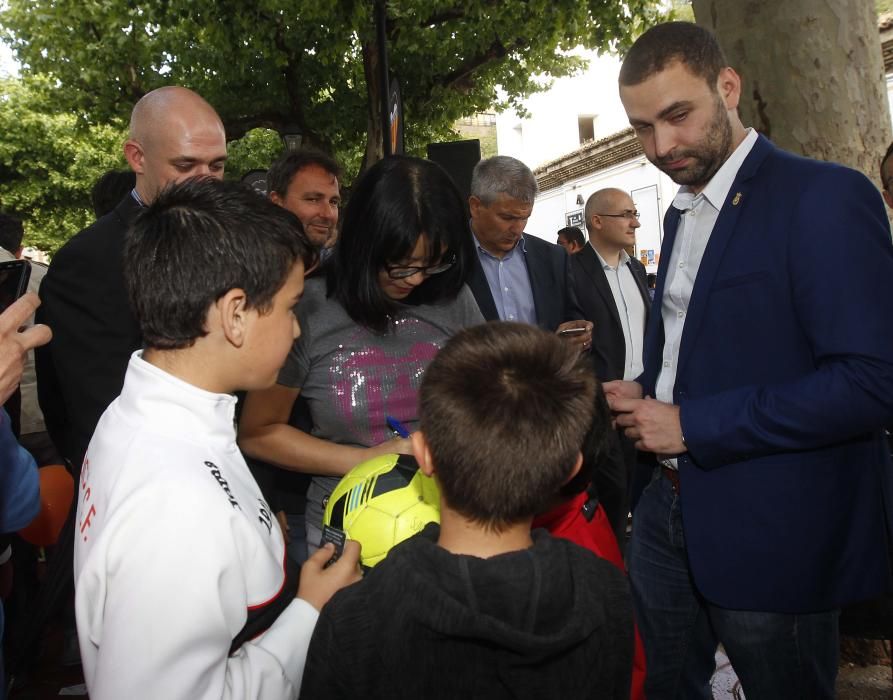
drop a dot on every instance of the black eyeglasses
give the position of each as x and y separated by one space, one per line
628 214
401 272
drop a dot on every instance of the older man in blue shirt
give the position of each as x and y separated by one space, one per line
519 277
523 278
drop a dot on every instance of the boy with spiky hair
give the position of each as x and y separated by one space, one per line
480 606
181 587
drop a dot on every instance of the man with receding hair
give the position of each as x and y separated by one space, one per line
174 135
611 286
612 292
769 357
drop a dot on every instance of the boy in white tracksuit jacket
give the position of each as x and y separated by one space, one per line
181 587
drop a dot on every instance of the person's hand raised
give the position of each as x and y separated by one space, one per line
15 344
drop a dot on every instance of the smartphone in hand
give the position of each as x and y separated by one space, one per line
14 276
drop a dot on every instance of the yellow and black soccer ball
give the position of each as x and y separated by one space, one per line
381 502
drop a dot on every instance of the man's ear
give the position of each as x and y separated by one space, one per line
232 316
474 205
276 199
133 152
422 453
728 84
577 466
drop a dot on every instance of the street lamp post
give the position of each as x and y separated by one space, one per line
292 136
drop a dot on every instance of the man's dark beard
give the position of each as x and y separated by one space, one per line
708 156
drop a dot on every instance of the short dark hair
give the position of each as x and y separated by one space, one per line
11 232
572 234
393 203
283 170
110 189
885 181
198 240
504 408
666 43
595 446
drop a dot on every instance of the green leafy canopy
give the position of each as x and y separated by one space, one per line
48 162
271 63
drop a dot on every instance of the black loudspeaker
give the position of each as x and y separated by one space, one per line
458 158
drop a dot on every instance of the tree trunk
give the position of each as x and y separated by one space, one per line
813 74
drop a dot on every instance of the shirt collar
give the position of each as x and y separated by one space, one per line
520 244
624 258
718 188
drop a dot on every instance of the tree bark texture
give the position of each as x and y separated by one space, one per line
812 72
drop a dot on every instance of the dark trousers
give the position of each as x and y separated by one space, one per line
776 656
612 479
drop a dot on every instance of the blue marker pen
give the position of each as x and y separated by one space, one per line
397 426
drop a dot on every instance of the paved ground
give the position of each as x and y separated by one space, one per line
868 683
853 683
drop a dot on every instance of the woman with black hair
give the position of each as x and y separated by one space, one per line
393 293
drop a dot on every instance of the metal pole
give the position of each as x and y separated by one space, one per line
381 16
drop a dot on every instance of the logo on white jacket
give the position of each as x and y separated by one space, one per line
215 472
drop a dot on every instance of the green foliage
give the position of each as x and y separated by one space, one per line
682 10
265 65
275 62
489 146
256 150
48 162
884 6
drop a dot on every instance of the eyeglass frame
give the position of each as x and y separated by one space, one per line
426 270
628 214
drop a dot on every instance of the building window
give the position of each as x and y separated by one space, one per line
586 126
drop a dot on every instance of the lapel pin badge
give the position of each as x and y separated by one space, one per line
736 199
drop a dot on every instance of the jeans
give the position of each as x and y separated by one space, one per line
775 655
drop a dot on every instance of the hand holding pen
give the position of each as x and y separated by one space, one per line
399 429
401 443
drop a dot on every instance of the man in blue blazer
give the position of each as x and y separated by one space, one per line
770 359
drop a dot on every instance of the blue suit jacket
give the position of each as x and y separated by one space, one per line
784 381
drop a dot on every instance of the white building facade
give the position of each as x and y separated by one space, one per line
577 140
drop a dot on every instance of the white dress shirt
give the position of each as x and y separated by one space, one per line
696 222
630 308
